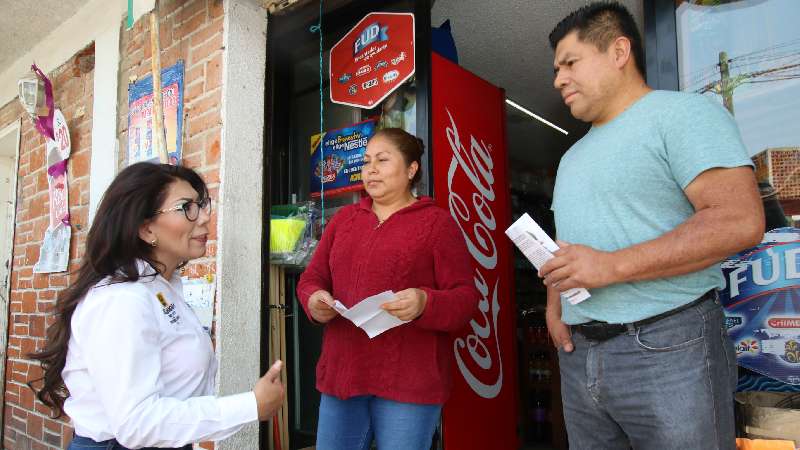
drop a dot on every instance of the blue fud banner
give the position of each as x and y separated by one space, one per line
762 305
337 157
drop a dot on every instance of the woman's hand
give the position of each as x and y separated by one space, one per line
409 305
320 305
269 392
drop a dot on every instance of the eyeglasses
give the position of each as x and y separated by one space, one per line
191 209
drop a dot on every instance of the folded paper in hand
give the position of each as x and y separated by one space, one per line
537 246
368 315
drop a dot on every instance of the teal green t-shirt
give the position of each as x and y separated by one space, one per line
622 184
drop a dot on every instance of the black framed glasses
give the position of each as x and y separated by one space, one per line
191 209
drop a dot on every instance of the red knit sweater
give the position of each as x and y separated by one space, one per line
419 246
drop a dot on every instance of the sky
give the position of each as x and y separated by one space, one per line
757 35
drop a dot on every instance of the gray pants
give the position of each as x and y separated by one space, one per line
665 385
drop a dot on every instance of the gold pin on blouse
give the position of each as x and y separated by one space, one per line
162 299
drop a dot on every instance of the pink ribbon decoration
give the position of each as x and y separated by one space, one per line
57 168
58 172
44 124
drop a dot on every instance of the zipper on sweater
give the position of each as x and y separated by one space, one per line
369 243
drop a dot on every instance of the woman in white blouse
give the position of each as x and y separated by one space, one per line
126 358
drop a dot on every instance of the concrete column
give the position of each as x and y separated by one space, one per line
239 264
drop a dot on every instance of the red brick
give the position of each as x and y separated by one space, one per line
66 436
215 8
212 228
58 280
213 155
26 398
35 371
29 302
40 281
207 49
207 121
165 32
16 424
53 425
53 439
193 161
37 326
167 7
193 91
214 73
41 180
34 426
37 206
194 24
134 44
206 32
189 9
207 102
37 158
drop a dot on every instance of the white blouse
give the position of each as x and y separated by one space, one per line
141 369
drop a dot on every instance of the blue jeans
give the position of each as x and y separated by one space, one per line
84 443
353 423
665 385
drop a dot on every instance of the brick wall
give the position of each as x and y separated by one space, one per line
26 421
190 30
785 171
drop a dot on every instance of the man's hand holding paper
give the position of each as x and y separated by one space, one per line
579 266
541 250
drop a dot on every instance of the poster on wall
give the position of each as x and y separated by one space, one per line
372 60
54 252
762 305
337 157
140 113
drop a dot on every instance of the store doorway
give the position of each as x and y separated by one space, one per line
295 99
9 155
505 45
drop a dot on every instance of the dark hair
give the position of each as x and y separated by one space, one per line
409 145
600 23
112 248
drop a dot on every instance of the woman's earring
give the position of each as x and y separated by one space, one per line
154 242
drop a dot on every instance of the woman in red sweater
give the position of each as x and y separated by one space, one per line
392 387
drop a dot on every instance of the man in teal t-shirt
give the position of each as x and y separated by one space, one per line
646 205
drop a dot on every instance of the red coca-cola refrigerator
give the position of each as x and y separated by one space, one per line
470 179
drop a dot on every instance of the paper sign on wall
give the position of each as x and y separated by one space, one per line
54 252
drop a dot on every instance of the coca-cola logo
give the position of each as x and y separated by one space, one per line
478 353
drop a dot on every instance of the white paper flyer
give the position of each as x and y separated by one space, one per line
368 315
537 246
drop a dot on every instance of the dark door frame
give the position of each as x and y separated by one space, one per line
276 159
661 44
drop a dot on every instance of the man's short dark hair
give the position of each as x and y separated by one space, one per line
600 24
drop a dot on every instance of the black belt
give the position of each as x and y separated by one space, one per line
602 331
